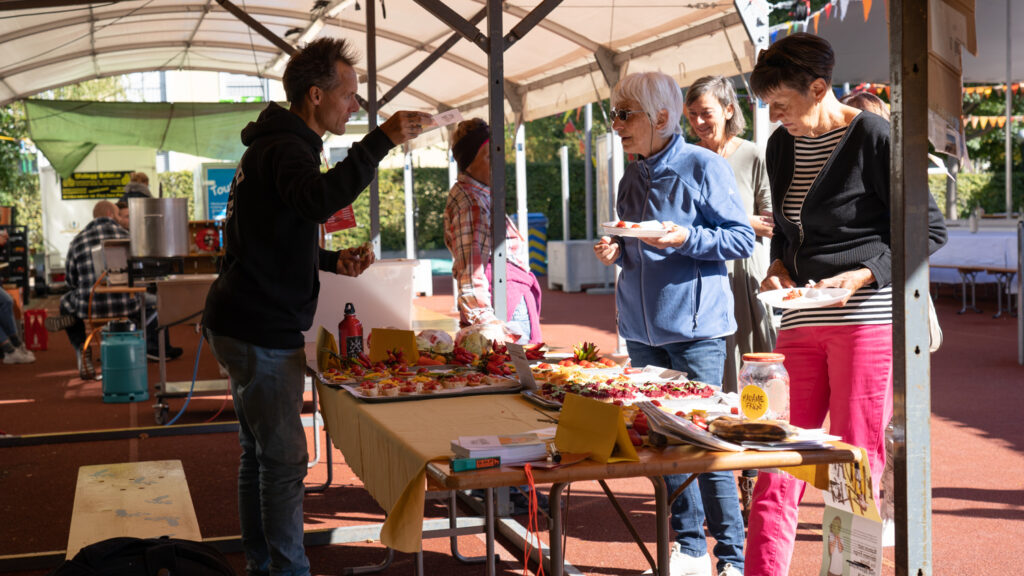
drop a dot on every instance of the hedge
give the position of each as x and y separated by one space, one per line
985 189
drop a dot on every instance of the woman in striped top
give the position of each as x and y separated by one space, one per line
829 174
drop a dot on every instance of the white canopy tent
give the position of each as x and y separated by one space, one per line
566 61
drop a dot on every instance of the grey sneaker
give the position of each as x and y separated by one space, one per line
19 356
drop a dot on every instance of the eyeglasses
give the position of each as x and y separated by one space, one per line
623 115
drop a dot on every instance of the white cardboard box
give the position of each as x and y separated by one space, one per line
382 296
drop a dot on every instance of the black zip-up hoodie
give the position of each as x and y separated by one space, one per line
267 291
845 215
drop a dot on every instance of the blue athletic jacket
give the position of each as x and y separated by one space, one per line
680 294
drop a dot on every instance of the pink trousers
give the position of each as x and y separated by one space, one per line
841 371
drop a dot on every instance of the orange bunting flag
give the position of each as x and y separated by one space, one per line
1015 87
828 11
988 90
816 16
1001 120
888 94
984 122
867 9
974 121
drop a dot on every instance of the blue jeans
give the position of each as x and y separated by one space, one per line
520 322
7 326
267 386
714 494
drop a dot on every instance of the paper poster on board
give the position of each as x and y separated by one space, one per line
851 527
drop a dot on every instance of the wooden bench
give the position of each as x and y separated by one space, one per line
138 499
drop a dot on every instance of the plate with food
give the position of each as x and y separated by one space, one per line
803 298
645 229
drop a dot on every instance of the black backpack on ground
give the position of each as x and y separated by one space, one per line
146 557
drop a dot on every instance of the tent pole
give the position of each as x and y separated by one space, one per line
496 116
1009 113
410 227
908 70
522 218
371 118
588 168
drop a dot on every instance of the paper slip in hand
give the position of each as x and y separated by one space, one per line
444 118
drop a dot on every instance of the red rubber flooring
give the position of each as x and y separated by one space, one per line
977 462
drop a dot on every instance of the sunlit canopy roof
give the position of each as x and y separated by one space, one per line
555 67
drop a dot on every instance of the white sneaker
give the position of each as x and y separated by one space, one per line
730 571
19 356
27 351
683 564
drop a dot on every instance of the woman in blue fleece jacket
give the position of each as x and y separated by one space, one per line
675 306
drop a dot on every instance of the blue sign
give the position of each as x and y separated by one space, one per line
218 186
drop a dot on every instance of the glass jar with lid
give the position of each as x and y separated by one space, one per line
770 397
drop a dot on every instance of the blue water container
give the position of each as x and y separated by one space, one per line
123 357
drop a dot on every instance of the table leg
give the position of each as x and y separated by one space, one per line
373 568
629 524
967 277
489 530
453 541
661 507
555 552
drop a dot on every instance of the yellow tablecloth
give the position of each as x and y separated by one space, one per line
389 444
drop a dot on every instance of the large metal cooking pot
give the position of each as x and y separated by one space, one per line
158 227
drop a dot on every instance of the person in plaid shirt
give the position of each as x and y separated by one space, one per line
74 305
467 234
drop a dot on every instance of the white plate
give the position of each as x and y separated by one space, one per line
829 296
648 229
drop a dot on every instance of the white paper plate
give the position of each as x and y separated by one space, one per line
829 296
648 229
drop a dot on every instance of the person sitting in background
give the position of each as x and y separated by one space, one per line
467 234
11 347
137 187
81 276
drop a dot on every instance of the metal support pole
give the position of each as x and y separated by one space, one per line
410 227
1009 112
1020 290
588 167
496 115
522 217
371 118
563 157
908 65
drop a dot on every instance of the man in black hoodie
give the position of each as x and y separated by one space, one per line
266 294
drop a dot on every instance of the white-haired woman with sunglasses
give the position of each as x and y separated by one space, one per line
675 306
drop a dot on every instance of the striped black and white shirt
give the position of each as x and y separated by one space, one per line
867 305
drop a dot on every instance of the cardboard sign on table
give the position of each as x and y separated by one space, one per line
384 340
588 426
523 370
325 346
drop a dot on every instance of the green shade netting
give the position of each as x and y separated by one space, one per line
66 131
